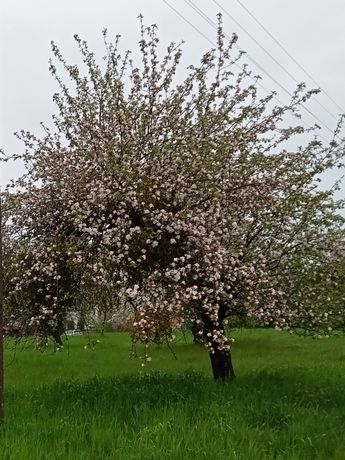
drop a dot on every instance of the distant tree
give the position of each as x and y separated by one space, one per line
179 198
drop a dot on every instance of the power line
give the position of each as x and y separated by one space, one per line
262 69
190 23
269 54
290 55
213 44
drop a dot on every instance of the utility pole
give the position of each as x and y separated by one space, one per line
2 412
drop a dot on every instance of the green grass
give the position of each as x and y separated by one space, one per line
288 402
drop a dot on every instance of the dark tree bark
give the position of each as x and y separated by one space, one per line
222 365
195 331
220 359
58 332
57 338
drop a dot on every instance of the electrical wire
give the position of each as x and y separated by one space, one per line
213 44
290 55
250 58
269 54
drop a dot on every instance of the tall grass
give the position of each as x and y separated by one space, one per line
288 402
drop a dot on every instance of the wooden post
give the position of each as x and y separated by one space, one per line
2 412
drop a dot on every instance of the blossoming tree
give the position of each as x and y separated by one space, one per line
180 199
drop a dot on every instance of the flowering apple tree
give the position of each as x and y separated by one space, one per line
180 199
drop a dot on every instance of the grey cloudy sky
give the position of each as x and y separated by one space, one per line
312 30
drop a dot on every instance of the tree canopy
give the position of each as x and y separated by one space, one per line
180 199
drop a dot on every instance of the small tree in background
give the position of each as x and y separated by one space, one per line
180 199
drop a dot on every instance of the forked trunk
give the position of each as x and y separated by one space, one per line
222 365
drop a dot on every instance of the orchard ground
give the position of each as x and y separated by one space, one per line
288 401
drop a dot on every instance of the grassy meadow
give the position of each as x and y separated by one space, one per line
287 402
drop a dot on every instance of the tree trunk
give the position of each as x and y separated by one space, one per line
57 333
57 338
198 339
222 365
220 359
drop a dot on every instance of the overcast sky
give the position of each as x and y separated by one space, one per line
312 31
